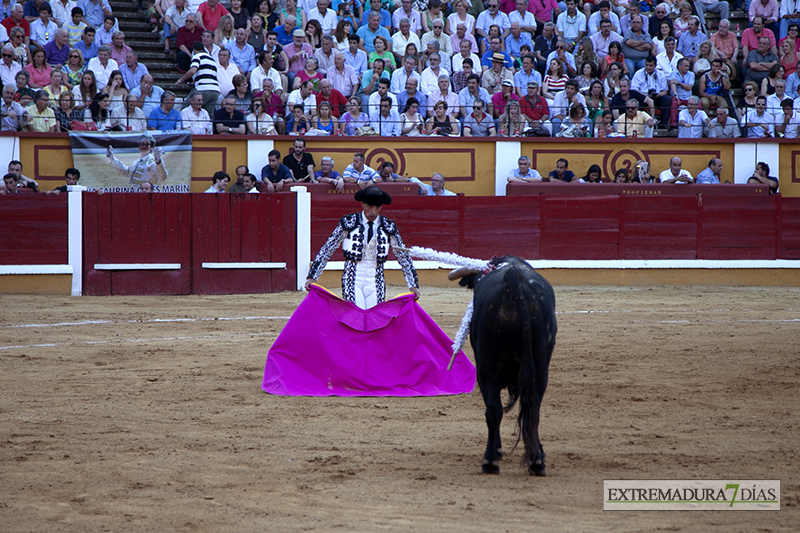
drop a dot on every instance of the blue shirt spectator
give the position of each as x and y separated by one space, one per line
513 45
89 52
386 126
283 173
133 79
283 37
358 61
369 37
486 59
689 45
386 18
93 12
158 120
244 58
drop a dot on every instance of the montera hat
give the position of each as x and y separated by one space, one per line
373 195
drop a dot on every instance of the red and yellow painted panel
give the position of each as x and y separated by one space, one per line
468 167
614 155
789 172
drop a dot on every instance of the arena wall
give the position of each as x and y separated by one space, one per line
475 167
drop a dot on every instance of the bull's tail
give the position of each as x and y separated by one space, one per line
526 392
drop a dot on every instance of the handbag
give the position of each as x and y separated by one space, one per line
77 125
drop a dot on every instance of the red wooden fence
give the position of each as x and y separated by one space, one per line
33 229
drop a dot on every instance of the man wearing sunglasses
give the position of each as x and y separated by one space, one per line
492 16
8 67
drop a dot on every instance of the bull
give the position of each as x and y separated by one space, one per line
512 332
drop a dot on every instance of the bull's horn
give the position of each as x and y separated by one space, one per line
460 273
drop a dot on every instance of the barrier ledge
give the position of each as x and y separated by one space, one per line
633 189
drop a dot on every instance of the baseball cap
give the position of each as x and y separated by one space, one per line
508 83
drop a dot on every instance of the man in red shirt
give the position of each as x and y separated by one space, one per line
329 94
188 35
209 14
534 106
17 19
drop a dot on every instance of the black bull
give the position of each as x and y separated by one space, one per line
513 332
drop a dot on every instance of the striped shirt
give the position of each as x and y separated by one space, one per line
205 79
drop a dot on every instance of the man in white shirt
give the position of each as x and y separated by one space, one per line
400 75
675 174
490 17
263 71
304 96
603 38
402 38
326 17
102 66
692 121
649 81
774 101
526 19
788 121
374 102
437 34
604 13
667 62
465 52
406 11
8 67
429 79
325 54
226 71
758 122
571 24
194 118
444 94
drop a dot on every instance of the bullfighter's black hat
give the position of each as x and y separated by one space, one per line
373 195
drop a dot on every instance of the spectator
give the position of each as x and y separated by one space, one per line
97 115
563 101
544 45
43 30
444 94
372 29
241 172
412 92
370 78
653 83
328 175
103 66
436 188
73 70
267 15
196 119
57 50
358 172
775 99
659 41
385 18
561 173
132 71
682 82
592 175
119 50
524 173
789 58
209 13
535 107
373 104
667 61
714 87
355 118
228 120
571 24
760 61
564 57
333 97
299 162
85 90
17 20
406 11
386 121
723 127
325 54
497 104
14 116
284 32
437 35
494 17
602 39
258 121
614 57
659 17
712 173
326 17
692 121
219 181
789 14
94 11
401 75
273 105
403 37
461 77
412 122
751 37
787 121
241 94
8 67
15 168
303 96
513 123
209 45
130 117
758 122
387 174
429 79
555 80
603 12
637 44
147 95
87 47
241 53
165 117
71 176
174 19
769 11
635 123
675 174
478 123
467 49
576 125
494 77
18 39
470 93
433 12
24 94
689 42
38 70
296 53
55 88
299 122
203 70
526 19
266 70
748 101
441 123
105 33
727 46
354 56
274 174
342 77
489 57
188 35
761 175
634 9
11 186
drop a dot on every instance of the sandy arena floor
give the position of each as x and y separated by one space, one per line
145 414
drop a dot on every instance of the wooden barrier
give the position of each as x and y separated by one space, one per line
34 229
394 189
632 189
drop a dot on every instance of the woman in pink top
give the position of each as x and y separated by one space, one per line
39 70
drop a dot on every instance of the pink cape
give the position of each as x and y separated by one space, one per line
331 347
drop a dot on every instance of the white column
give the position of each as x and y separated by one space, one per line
258 155
303 234
506 155
75 235
746 155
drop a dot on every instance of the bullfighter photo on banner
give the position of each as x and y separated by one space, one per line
122 162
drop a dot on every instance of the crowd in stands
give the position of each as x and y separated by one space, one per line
576 68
